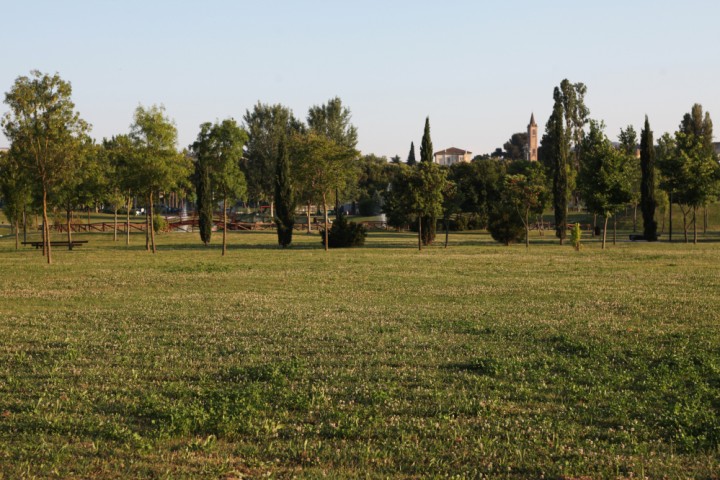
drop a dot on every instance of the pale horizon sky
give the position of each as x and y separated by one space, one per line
478 69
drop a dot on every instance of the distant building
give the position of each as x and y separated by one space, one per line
532 146
452 156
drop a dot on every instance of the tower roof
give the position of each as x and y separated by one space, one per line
532 120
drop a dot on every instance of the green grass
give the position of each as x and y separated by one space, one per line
472 361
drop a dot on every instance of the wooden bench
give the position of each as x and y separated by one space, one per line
57 243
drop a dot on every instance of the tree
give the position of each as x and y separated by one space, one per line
554 155
266 125
516 147
647 183
603 179
203 192
526 194
332 121
15 191
324 166
45 133
76 188
697 154
120 151
157 165
284 197
426 194
429 221
411 155
628 146
218 151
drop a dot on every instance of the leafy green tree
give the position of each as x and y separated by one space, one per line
284 197
77 186
332 120
45 132
324 166
219 150
266 126
157 165
119 151
373 180
697 153
429 221
396 197
527 194
603 179
628 146
411 155
647 183
15 191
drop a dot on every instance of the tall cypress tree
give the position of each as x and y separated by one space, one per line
204 200
284 197
555 156
429 221
647 183
411 156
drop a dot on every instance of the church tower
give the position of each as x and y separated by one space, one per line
532 146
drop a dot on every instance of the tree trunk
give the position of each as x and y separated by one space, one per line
46 229
224 249
24 225
69 227
694 225
115 225
705 219
447 231
420 232
614 229
147 230
272 208
127 222
152 224
309 227
604 233
88 221
635 218
670 222
17 233
325 213
594 223
527 229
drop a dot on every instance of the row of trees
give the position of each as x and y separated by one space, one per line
277 159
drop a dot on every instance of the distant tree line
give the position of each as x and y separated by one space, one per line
273 158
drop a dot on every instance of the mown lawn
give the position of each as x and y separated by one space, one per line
473 361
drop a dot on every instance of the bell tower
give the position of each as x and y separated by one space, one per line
532 146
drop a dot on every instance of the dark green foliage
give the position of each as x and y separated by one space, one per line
284 197
554 155
204 201
505 224
515 148
429 222
647 184
411 156
344 234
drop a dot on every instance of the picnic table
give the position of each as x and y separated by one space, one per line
57 243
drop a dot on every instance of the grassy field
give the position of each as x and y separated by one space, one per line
468 362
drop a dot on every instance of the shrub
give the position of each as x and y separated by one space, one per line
505 225
159 223
344 234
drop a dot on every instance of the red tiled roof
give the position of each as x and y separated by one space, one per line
452 151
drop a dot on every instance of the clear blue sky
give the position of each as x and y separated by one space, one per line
476 68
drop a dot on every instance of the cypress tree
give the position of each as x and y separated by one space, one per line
429 222
557 153
204 200
411 156
284 197
647 184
